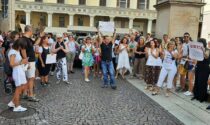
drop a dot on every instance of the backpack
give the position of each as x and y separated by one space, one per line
7 67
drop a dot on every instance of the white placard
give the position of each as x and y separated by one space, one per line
196 51
51 58
106 26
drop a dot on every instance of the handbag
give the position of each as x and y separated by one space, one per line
81 55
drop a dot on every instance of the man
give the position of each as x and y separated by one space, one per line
28 54
60 48
190 66
107 64
148 38
72 46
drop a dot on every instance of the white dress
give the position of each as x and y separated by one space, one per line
123 60
18 73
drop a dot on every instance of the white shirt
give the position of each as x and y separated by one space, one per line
72 46
168 62
152 61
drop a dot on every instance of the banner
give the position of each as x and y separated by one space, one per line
196 51
106 26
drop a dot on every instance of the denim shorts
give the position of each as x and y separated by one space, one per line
190 68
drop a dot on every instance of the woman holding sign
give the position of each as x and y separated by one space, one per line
44 68
201 76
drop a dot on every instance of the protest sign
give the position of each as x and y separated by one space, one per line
106 26
196 51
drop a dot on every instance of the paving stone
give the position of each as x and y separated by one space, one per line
88 104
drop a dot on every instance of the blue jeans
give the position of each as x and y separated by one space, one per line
107 67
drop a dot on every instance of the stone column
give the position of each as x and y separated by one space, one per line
111 19
28 17
71 19
149 26
175 17
92 21
130 23
49 19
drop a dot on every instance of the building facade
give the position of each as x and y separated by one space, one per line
205 32
83 15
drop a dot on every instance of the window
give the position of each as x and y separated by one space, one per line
102 2
80 21
38 0
61 21
60 1
141 4
128 3
82 2
123 3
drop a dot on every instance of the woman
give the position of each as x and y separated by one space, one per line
18 74
97 58
168 68
87 60
153 65
139 62
201 76
123 59
43 68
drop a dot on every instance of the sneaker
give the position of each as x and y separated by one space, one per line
33 99
72 72
19 109
51 73
11 104
67 82
188 93
104 86
58 81
114 87
37 78
87 80
24 96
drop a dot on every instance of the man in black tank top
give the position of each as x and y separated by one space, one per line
106 63
60 48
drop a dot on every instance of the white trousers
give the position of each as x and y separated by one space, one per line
61 69
167 72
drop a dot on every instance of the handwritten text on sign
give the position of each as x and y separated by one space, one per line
196 51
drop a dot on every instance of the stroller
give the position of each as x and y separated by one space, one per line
9 84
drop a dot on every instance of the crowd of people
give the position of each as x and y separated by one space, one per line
161 63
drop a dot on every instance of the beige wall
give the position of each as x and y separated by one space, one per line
73 2
111 3
151 4
162 23
92 2
50 1
55 20
188 21
133 4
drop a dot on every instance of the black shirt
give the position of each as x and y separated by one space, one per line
28 44
106 52
140 49
60 54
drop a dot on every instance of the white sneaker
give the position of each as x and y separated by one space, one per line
188 93
19 109
37 78
51 73
11 104
87 80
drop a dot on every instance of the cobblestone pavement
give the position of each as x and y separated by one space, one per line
87 104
